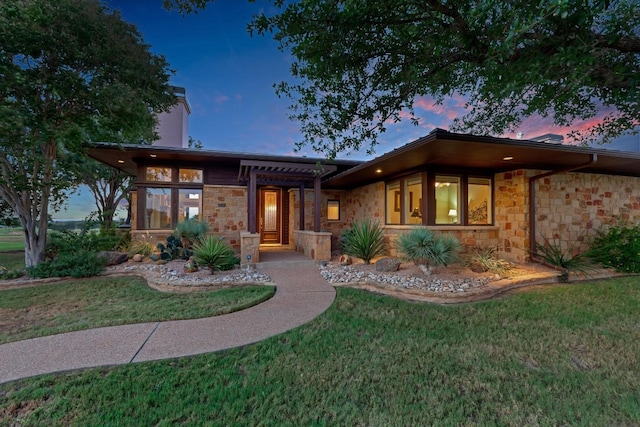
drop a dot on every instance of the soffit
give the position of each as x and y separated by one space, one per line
444 151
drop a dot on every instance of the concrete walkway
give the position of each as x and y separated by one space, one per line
302 294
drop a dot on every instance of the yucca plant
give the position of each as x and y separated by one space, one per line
422 247
190 231
215 254
553 254
363 240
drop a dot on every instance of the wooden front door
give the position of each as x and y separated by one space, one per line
270 216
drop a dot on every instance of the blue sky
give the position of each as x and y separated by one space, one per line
229 76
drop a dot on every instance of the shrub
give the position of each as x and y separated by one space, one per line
485 257
363 240
215 254
567 259
421 246
142 247
68 241
190 231
618 248
77 264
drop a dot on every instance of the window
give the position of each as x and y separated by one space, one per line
413 199
175 195
479 201
157 208
333 210
158 174
393 203
447 199
190 175
189 204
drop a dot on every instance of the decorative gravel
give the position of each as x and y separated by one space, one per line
172 273
335 273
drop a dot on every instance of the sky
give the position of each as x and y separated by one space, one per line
229 76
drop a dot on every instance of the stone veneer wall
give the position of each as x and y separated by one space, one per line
573 206
511 214
225 208
570 207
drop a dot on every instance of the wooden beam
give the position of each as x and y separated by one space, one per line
316 211
301 207
252 210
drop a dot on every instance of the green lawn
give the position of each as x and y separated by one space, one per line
561 355
11 239
106 301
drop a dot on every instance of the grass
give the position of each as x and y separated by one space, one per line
11 239
560 355
97 302
13 260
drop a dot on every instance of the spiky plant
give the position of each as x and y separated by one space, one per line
421 246
363 240
191 230
215 254
553 253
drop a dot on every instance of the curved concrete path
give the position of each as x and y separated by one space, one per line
302 294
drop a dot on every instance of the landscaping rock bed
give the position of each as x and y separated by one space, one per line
172 274
408 277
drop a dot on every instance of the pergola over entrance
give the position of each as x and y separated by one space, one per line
286 174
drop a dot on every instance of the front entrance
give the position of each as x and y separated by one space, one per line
270 216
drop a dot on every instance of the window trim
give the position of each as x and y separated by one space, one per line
174 186
337 201
428 206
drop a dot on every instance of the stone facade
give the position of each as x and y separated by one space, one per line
511 210
225 208
572 207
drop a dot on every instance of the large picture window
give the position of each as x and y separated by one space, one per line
157 208
479 201
189 204
451 199
447 199
171 195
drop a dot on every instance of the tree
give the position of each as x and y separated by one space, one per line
109 186
7 215
71 72
360 63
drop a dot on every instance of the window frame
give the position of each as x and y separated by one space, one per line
428 203
174 187
336 201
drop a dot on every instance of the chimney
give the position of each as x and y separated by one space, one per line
173 126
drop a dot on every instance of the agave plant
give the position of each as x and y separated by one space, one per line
215 254
363 240
190 230
422 247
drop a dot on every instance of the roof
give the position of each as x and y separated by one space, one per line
127 156
439 150
442 150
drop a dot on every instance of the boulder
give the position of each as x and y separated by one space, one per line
113 257
388 264
345 260
138 257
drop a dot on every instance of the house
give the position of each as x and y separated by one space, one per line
489 192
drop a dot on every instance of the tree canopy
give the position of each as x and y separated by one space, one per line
360 63
71 72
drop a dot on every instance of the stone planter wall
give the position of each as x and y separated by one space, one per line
316 246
